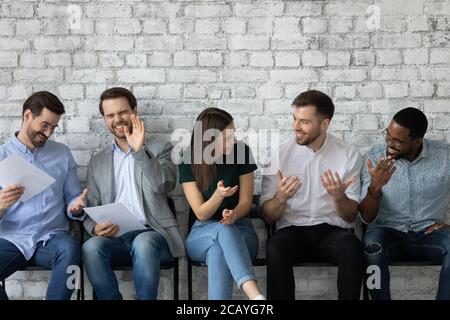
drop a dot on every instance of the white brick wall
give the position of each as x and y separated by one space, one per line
250 57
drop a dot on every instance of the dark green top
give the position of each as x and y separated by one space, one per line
239 162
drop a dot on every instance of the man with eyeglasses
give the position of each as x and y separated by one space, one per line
405 192
36 231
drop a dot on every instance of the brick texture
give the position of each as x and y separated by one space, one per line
249 57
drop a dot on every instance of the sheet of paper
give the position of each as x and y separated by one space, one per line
118 214
15 169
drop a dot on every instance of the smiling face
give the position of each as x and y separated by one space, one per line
308 125
39 128
117 112
399 143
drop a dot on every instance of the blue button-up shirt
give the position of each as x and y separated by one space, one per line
417 194
40 217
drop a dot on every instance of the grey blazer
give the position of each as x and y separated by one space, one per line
155 175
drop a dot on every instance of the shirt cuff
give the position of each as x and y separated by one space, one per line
365 222
264 198
79 218
353 196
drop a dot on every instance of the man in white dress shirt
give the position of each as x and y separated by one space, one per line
313 199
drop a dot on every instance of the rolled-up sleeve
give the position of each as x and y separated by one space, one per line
355 165
72 186
269 188
365 182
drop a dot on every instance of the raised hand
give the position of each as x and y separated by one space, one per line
135 139
77 207
223 192
333 184
287 186
381 173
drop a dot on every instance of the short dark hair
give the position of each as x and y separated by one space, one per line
116 93
320 100
414 120
43 99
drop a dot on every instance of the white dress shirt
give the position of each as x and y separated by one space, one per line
124 183
312 204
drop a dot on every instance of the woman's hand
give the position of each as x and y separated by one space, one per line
229 216
223 192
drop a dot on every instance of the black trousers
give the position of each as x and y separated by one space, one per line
323 242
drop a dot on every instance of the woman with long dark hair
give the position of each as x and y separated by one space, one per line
217 178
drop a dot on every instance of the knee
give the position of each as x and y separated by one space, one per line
373 242
373 249
351 248
227 230
276 250
351 243
69 251
146 243
92 248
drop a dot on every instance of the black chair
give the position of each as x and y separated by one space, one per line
77 230
164 266
254 214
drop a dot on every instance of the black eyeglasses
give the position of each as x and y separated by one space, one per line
45 125
397 143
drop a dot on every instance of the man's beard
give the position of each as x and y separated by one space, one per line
37 138
312 137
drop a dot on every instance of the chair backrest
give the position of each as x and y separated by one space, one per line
76 229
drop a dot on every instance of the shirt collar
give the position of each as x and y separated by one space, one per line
19 145
423 153
115 148
324 144
322 149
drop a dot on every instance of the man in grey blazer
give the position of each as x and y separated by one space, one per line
137 172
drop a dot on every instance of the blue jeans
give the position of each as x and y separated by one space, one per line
145 250
383 244
58 253
228 251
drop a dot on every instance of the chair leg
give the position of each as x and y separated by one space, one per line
189 279
365 290
80 294
79 289
176 277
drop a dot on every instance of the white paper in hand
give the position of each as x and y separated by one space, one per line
118 214
15 169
